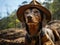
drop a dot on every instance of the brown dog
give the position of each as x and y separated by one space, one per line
33 18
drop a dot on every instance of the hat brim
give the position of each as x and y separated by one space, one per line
20 11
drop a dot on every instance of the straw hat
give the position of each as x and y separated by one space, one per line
20 11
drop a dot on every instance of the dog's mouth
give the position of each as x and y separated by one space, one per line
31 21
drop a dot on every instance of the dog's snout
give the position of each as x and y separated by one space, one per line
29 17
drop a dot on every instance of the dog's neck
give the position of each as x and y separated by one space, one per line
33 28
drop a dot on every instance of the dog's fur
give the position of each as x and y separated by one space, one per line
33 17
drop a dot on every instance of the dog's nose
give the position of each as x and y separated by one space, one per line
29 17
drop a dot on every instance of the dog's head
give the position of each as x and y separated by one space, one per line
32 19
32 15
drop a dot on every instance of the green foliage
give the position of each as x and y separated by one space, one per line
54 8
10 22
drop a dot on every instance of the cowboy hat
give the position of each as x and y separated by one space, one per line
20 11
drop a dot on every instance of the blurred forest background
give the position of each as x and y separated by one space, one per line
11 21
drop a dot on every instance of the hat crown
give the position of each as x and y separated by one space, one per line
34 2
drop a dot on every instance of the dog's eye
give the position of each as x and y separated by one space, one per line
36 11
26 12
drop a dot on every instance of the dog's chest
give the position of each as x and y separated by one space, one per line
33 29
